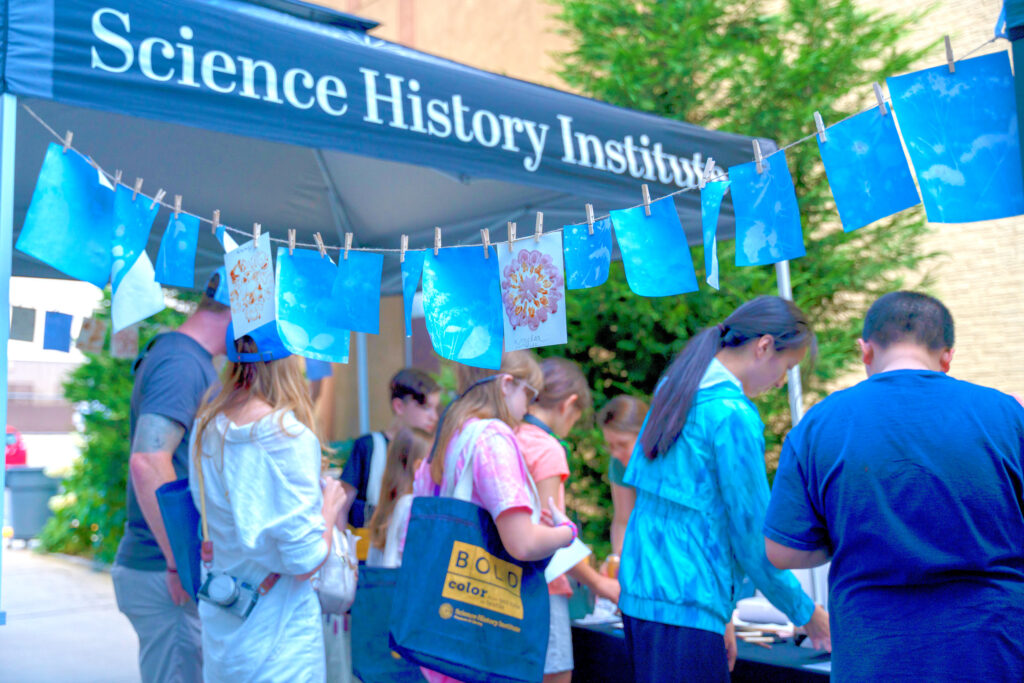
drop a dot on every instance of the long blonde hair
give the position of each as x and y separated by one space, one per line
280 383
485 401
405 452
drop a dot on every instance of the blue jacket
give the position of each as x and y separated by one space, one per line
696 529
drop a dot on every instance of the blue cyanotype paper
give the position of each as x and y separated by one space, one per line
767 216
132 222
866 169
961 132
587 256
412 268
462 306
306 313
225 239
57 332
654 250
176 261
356 292
68 224
317 369
710 206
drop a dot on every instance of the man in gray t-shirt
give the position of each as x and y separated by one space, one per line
171 378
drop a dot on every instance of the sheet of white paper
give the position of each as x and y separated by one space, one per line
533 292
251 285
138 295
565 559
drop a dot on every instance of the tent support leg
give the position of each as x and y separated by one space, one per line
363 379
8 130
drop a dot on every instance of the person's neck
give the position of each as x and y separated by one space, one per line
207 329
392 431
548 417
735 361
904 358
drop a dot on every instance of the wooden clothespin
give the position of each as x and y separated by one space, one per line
320 244
117 177
949 60
404 248
880 98
511 235
485 234
758 159
257 230
291 241
67 140
177 205
820 125
348 243
161 193
538 230
215 222
590 219
647 199
138 187
709 168
437 240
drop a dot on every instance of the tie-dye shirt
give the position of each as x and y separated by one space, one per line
696 530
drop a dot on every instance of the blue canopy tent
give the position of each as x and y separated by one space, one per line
295 117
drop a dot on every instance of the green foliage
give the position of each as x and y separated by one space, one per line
89 516
754 68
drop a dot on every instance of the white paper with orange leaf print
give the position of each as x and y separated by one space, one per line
250 285
533 292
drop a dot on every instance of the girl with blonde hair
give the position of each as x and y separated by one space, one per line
254 472
390 519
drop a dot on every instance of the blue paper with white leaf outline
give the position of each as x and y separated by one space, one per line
306 311
68 225
654 251
412 268
710 207
462 306
133 221
961 132
317 369
867 170
767 216
356 291
57 332
176 260
587 257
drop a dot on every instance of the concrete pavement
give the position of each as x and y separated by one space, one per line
62 623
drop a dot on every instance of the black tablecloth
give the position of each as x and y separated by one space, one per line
600 654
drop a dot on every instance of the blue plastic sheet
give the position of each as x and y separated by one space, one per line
412 268
961 131
176 261
306 312
710 206
68 224
357 292
462 306
133 221
866 169
587 257
654 250
767 216
57 332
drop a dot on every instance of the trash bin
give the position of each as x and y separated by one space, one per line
30 491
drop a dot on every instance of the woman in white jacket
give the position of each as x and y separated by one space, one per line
254 472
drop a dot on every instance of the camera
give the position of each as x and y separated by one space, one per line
229 593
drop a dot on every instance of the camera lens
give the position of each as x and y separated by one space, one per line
223 590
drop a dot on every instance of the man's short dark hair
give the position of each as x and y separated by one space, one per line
909 317
415 383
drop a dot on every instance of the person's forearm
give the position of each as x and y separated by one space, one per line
544 543
150 471
350 498
618 534
586 574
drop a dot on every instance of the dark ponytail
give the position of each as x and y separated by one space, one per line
673 398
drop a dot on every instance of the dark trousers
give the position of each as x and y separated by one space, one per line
662 652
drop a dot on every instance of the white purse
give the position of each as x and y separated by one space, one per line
335 582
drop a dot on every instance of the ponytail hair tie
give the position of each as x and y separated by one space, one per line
722 329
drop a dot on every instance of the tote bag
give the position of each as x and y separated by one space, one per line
181 520
463 606
373 661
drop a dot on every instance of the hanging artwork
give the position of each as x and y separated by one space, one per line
317 369
225 239
135 294
125 344
57 332
961 132
68 223
710 207
23 324
462 305
767 216
655 254
306 312
356 291
533 292
176 261
587 257
92 335
412 268
251 285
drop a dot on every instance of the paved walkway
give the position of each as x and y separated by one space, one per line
62 623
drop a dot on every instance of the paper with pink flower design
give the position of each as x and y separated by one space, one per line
251 285
533 292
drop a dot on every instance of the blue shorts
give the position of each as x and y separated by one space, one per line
662 652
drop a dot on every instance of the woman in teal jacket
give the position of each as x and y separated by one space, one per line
696 529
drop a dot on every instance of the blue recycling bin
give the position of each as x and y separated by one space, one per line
29 491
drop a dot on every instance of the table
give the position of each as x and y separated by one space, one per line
600 657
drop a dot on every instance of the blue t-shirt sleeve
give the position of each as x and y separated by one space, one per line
174 388
792 519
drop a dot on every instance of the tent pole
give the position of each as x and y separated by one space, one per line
8 130
364 383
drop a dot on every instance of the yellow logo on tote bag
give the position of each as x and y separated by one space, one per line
480 579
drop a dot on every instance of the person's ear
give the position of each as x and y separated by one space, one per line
946 359
867 351
764 345
397 406
569 403
508 385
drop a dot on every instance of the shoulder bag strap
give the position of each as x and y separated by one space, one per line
378 461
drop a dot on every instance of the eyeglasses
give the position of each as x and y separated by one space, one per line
534 392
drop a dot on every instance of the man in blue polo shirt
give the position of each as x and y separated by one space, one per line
912 483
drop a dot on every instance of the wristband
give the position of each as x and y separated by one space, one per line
572 527
172 570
